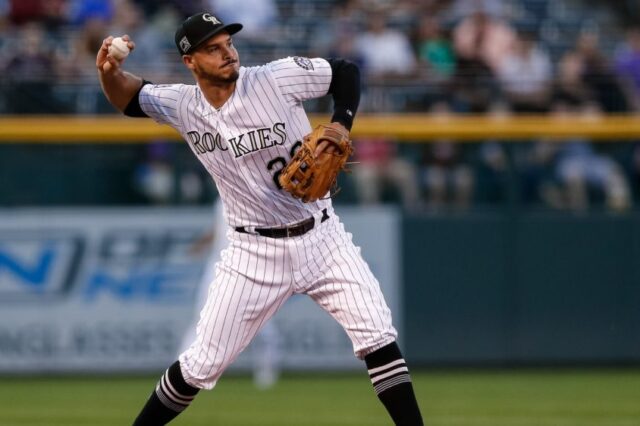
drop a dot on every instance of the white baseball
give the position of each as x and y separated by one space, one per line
119 48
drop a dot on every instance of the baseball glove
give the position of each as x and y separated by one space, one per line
309 176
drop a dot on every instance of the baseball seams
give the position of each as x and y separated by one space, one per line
119 48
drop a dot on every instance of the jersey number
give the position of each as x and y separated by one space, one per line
279 162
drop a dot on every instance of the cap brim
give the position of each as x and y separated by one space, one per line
230 28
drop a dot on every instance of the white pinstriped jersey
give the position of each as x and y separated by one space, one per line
245 143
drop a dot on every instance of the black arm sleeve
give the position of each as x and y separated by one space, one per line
133 108
345 89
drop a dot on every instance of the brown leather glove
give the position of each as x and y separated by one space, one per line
310 175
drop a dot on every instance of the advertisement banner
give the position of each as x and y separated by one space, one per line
93 290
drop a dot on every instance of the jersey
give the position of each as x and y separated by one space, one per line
245 143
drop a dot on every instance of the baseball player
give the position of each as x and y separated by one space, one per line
244 124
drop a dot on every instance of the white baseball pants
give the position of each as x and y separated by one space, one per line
257 274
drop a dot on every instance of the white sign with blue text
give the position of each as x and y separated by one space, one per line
96 290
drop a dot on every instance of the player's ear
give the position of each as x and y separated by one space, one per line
188 61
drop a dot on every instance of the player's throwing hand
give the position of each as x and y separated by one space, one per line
107 62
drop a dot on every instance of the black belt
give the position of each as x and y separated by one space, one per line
294 230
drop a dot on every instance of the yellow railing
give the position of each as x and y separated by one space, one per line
404 127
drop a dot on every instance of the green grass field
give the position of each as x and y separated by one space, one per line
461 398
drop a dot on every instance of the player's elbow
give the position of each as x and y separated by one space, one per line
116 98
343 66
123 93
352 71
345 75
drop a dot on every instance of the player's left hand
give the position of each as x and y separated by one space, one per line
313 170
328 147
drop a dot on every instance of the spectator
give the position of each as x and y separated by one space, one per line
569 85
627 65
24 11
525 76
379 164
445 177
51 13
32 59
435 50
386 52
598 76
480 43
30 71
483 38
571 175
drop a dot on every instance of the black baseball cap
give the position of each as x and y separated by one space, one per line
198 28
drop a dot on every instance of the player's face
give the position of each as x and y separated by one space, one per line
216 60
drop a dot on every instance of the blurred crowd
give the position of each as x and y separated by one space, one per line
442 56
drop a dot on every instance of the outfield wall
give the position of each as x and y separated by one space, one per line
507 287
